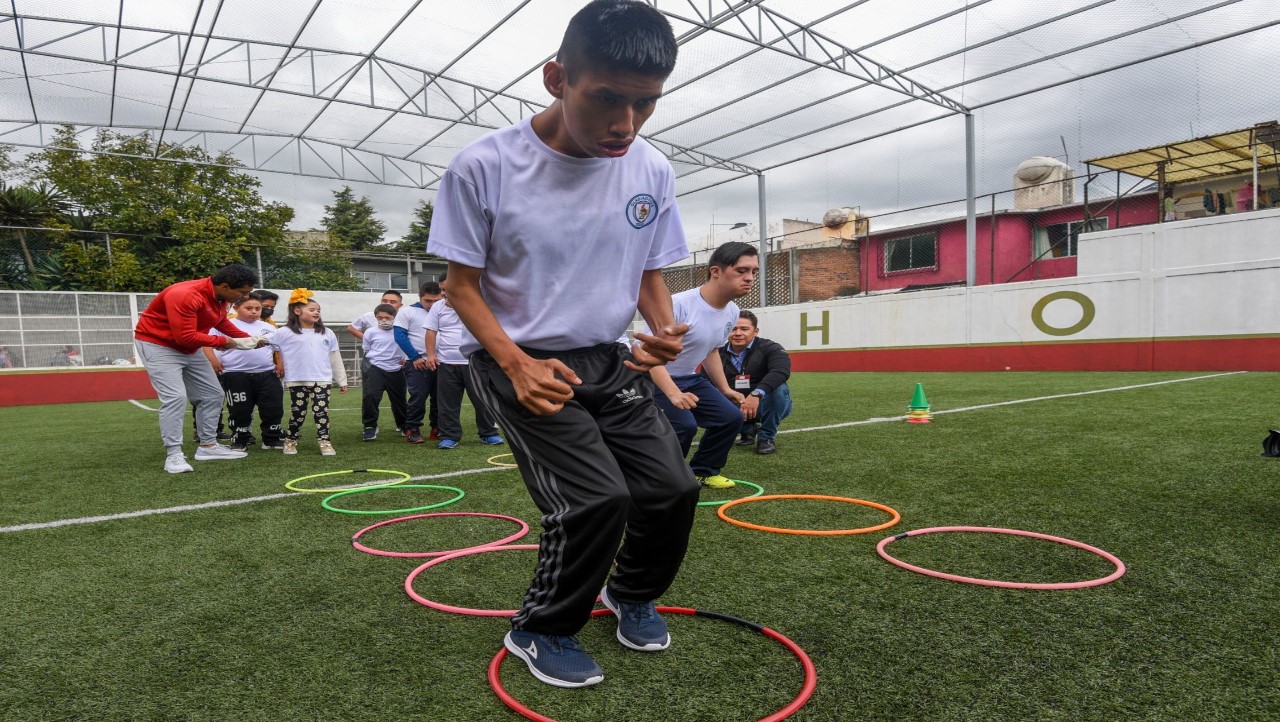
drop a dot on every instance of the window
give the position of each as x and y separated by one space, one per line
379 280
911 253
1059 240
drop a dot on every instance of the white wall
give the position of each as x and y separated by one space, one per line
1216 276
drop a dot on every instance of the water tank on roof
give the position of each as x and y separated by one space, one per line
1041 182
844 224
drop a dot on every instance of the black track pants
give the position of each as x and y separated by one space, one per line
606 464
245 391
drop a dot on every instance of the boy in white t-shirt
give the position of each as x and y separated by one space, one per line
251 378
689 399
556 231
444 356
384 370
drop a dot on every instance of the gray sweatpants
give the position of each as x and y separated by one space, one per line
178 378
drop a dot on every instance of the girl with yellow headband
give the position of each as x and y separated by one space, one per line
309 354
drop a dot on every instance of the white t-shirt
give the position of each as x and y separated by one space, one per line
563 241
450 333
252 362
381 349
413 318
365 321
306 354
709 328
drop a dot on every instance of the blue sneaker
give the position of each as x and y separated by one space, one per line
640 627
557 660
447 444
494 440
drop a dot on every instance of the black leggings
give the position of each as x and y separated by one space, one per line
319 394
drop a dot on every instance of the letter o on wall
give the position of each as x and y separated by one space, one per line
1086 318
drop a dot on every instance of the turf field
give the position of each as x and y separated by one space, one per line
262 610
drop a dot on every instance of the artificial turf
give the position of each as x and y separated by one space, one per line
263 611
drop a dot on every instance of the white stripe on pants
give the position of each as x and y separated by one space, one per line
178 378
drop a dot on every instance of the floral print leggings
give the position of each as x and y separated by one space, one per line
319 395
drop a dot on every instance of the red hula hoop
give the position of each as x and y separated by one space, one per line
355 540
806 690
1119 572
408 582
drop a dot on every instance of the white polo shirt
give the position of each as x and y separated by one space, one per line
562 241
709 328
413 318
251 362
450 333
306 354
381 349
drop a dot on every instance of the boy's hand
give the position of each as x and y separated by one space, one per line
684 400
541 384
658 349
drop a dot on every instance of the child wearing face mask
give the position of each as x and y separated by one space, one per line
385 372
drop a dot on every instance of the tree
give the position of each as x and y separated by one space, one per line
185 211
25 208
415 241
353 223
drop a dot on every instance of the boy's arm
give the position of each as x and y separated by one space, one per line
715 371
358 333
214 361
538 382
432 361
679 399
667 340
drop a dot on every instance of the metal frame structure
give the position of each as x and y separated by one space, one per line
771 82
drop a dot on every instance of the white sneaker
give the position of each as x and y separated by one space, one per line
218 452
176 463
326 448
290 447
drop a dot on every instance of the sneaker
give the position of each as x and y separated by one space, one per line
217 452
766 446
745 440
371 434
400 430
272 445
290 447
493 440
447 444
435 434
326 448
556 660
715 481
640 627
413 436
224 436
239 446
176 463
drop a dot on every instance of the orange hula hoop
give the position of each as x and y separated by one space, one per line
720 512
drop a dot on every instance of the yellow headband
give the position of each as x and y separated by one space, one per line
300 295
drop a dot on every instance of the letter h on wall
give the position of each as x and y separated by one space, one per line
824 327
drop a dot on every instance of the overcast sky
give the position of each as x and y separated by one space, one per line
1214 88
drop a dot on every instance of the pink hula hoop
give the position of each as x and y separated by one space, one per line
408 582
355 540
1119 572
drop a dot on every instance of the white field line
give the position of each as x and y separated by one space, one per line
875 420
141 405
216 504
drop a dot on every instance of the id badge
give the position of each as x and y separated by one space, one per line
741 382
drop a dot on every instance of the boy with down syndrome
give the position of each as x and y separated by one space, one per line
527 217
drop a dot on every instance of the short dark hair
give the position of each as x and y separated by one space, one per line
385 308
619 36
431 287
744 313
235 275
393 292
263 294
729 253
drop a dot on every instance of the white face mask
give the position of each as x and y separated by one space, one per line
386 325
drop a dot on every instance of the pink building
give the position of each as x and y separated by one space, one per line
1012 245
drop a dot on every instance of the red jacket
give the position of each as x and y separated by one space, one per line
179 316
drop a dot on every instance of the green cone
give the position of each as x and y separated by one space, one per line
918 401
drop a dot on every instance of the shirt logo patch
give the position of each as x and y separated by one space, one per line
628 395
641 210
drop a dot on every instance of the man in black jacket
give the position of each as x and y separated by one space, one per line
758 368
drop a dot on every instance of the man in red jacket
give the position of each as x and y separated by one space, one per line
169 335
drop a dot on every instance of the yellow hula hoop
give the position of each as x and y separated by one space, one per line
503 464
292 484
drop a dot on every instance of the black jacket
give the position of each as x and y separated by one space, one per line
766 362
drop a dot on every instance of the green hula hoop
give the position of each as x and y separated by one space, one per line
460 493
291 484
759 490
